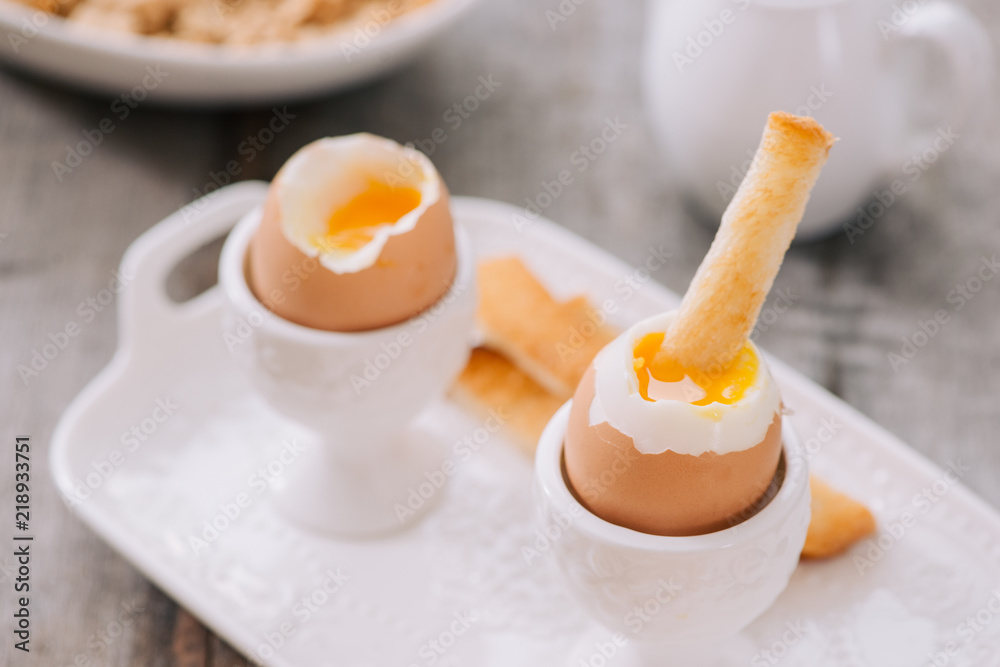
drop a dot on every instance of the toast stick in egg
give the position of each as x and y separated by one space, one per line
722 303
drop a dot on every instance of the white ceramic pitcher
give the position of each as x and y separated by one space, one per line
714 69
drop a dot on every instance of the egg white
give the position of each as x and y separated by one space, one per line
328 173
678 426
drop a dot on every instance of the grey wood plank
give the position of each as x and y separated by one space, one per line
190 646
223 655
64 241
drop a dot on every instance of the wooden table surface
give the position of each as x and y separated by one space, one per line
61 241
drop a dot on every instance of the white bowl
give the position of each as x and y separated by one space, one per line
116 63
683 590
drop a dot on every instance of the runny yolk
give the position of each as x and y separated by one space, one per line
353 225
663 379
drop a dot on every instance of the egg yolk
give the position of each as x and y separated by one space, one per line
695 386
353 225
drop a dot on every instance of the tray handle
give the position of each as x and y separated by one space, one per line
146 311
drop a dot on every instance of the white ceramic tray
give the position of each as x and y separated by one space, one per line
116 63
463 586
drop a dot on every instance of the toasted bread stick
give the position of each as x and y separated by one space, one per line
492 383
838 521
552 341
728 290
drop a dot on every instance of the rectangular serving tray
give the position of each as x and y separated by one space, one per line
169 457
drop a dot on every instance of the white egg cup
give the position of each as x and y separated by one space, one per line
671 597
359 392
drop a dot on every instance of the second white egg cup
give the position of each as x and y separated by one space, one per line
358 392
670 600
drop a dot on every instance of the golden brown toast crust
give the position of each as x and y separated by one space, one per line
551 341
491 382
725 297
837 521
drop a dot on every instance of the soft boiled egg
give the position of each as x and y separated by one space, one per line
666 450
356 234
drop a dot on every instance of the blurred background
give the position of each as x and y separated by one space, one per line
554 87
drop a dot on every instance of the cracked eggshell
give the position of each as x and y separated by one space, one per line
700 468
404 269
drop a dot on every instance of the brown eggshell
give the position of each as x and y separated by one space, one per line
668 493
414 270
